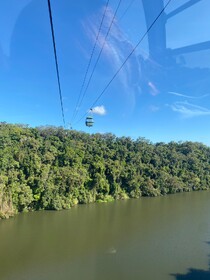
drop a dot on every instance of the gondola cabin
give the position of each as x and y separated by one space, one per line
89 121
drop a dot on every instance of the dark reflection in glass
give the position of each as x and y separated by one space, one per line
194 274
166 69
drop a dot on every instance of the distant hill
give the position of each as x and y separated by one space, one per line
53 168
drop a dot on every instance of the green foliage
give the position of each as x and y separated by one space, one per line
53 168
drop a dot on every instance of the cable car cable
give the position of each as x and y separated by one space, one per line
99 55
56 62
90 60
133 50
125 12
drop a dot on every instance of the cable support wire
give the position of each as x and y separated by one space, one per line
99 55
122 65
125 12
56 62
90 60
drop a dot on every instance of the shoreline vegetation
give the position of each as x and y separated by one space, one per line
52 168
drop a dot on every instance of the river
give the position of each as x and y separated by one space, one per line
159 238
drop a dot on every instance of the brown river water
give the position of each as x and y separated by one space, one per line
159 238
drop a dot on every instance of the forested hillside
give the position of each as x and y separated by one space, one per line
53 168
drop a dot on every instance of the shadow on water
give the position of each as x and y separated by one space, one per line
194 274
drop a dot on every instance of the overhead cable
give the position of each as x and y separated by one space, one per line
130 54
90 60
99 55
56 62
128 7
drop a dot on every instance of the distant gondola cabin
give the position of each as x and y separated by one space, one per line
89 121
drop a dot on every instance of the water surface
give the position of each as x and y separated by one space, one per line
149 238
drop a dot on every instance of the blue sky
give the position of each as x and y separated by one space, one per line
158 94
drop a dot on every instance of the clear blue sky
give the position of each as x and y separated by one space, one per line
157 94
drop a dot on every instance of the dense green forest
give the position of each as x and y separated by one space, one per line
53 168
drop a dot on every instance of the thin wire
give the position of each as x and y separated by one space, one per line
125 12
90 60
99 55
133 50
56 62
